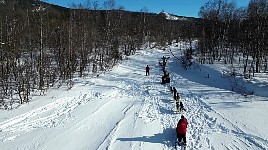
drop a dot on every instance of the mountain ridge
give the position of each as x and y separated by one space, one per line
35 5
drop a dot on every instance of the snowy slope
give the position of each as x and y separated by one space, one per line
173 17
124 109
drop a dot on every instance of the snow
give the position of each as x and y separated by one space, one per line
124 109
173 17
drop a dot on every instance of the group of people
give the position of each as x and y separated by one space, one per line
183 123
165 77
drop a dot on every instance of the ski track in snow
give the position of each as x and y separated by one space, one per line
200 121
47 116
143 102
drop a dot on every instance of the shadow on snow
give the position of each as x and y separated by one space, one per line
216 79
168 137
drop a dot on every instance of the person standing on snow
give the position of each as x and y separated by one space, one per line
147 70
181 130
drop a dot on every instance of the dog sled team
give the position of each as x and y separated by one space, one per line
182 123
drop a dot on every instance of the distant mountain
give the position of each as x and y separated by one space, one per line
169 16
37 5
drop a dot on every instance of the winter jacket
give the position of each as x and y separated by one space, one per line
147 68
181 126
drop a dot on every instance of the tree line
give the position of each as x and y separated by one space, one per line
227 32
42 44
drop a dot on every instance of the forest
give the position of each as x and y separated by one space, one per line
228 32
44 45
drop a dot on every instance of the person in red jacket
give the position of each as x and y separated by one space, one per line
181 129
147 70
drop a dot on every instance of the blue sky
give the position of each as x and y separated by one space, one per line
178 7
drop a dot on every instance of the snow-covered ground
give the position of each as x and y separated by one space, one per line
124 109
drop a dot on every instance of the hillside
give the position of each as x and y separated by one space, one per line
42 44
31 5
124 109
